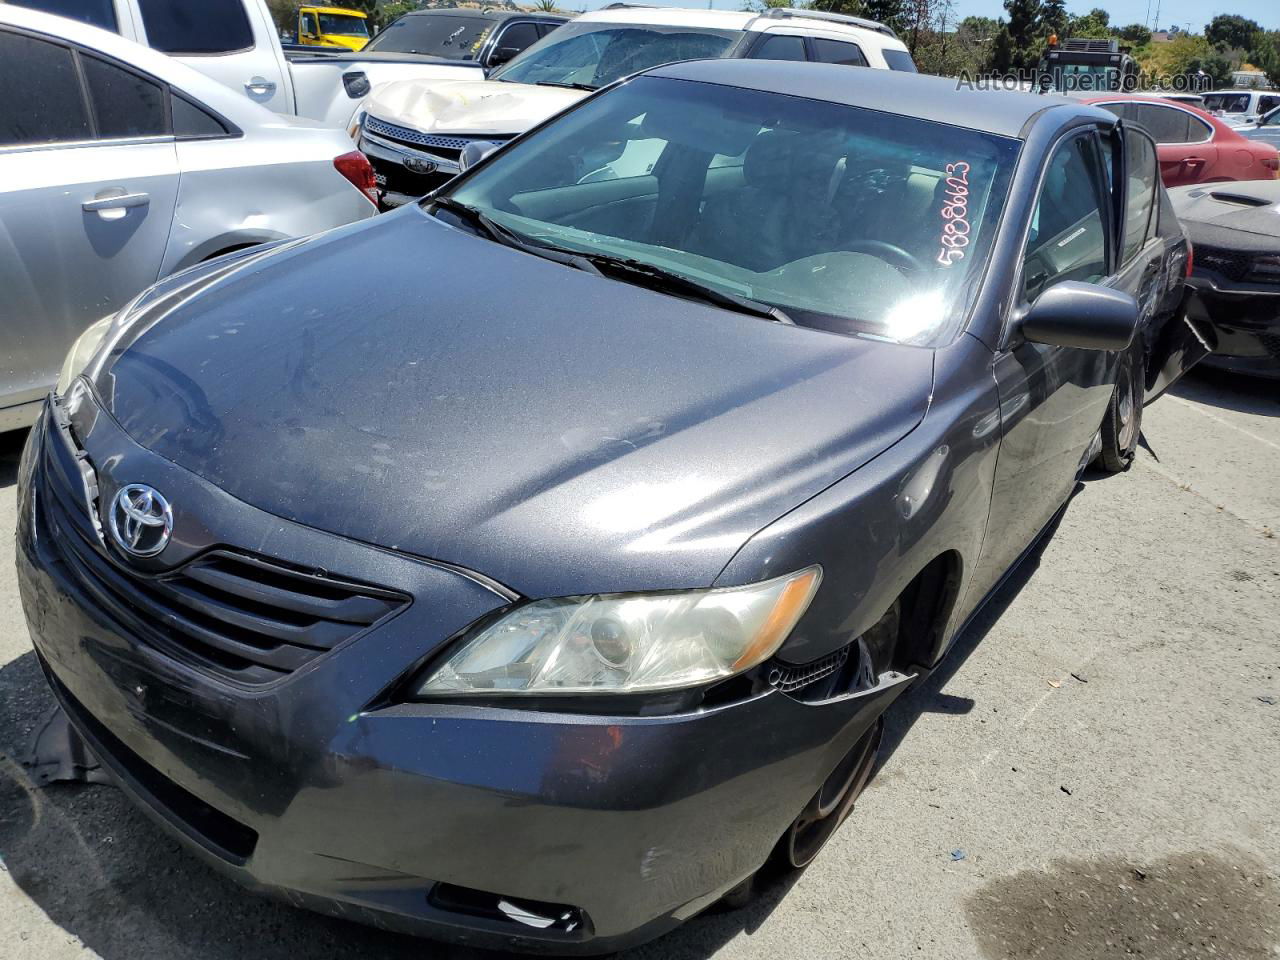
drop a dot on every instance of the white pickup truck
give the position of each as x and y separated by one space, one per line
236 43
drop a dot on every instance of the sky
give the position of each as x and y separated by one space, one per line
1179 12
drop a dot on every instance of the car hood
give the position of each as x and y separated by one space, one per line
1240 214
468 106
408 384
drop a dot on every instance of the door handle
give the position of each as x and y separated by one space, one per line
117 202
1193 161
259 87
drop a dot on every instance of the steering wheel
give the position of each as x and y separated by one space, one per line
891 252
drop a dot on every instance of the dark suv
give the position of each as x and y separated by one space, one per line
491 37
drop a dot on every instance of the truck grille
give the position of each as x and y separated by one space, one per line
231 614
448 147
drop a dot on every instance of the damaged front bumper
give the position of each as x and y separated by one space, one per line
533 829
1244 324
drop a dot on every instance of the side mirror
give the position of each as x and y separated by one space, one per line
503 55
475 151
1083 315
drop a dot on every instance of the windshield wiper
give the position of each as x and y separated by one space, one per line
488 227
567 85
668 281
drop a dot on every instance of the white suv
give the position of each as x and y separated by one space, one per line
414 131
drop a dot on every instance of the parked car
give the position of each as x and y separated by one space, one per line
1235 287
142 170
333 27
235 42
414 132
1266 130
668 486
1238 107
486 37
1194 146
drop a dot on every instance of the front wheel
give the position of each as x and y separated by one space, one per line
1122 423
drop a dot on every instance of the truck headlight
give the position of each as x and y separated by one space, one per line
82 352
626 643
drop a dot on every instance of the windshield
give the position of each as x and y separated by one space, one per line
1227 102
1085 76
343 25
596 54
454 38
849 220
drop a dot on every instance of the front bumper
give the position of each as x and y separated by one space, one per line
1245 323
416 817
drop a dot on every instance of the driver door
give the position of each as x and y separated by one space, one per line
1052 398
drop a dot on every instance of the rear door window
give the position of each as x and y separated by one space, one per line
899 60
124 103
192 122
1165 124
96 13
780 47
837 51
41 90
196 26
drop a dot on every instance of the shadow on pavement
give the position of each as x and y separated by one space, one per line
10 452
1230 391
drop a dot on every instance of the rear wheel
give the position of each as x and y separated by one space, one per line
1122 423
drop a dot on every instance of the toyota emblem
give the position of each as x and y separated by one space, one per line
140 520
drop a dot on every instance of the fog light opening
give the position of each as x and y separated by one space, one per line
516 911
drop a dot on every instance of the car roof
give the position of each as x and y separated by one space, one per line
868 31
940 99
488 13
237 108
346 10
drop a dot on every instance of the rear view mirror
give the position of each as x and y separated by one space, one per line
475 151
1082 315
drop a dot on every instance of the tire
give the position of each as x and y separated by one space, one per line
830 806
1122 423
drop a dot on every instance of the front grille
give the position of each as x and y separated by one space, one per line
789 679
1239 265
235 615
442 146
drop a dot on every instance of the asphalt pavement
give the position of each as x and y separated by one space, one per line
1094 772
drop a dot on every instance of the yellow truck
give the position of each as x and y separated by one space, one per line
332 27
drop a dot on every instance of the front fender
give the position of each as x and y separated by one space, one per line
875 530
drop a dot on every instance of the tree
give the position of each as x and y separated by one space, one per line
1095 23
1002 52
1231 31
1054 17
1023 32
1135 34
1266 55
979 28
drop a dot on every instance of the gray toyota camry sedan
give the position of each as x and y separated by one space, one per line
548 583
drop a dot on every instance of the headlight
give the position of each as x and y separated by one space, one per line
357 123
82 352
626 643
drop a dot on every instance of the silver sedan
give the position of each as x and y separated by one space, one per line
121 166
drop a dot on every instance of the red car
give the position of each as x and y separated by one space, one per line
1194 147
